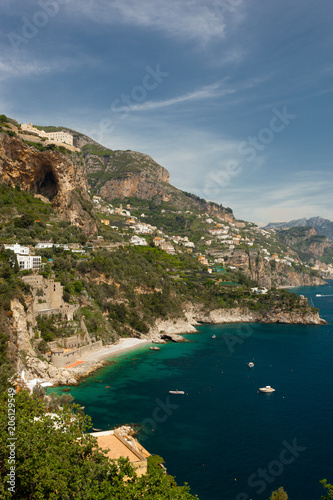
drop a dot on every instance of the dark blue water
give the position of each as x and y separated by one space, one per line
225 439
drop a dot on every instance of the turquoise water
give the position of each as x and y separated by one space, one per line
225 439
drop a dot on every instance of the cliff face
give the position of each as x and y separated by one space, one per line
126 174
29 363
306 240
257 268
61 178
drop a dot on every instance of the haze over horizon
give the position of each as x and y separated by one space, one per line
234 98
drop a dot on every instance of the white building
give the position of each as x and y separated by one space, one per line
136 240
44 244
18 249
60 137
144 228
52 136
29 261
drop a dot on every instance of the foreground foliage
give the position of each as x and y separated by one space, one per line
60 461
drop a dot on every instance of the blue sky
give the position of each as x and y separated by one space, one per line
233 97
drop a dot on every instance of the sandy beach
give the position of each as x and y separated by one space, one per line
91 361
109 351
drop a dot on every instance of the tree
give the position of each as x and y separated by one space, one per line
279 494
25 221
329 488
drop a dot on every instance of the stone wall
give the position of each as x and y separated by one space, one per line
73 342
61 359
47 298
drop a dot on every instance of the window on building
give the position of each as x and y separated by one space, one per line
35 263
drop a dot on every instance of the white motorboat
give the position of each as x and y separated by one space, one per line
268 388
213 336
250 365
176 392
154 348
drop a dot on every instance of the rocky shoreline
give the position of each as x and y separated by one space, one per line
168 329
161 332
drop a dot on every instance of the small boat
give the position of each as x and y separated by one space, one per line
268 388
250 365
213 336
96 430
107 386
176 392
154 348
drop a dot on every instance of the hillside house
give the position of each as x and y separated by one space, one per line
158 241
29 262
136 240
17 249
203 260
168 248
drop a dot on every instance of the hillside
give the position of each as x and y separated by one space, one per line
128 174
150 263
306 241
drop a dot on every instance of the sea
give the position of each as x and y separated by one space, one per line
222 436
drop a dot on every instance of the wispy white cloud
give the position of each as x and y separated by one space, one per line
207 92
286 199
24 64
8 69
192 19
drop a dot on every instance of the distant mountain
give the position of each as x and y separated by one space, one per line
323 226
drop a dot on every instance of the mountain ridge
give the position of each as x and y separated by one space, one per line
323 226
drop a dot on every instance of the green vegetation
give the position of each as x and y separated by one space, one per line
279 494
28 220
48 147
329 490
50 128
95 149
130 287
327 258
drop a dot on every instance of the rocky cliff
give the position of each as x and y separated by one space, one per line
59 177
169 329
26 358
271 273
306 240
129 174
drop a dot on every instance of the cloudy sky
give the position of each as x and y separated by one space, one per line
233 97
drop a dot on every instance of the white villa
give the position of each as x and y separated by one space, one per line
29 261
17 249
61 137
24 260
136 240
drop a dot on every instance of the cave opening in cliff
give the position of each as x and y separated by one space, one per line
47 184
